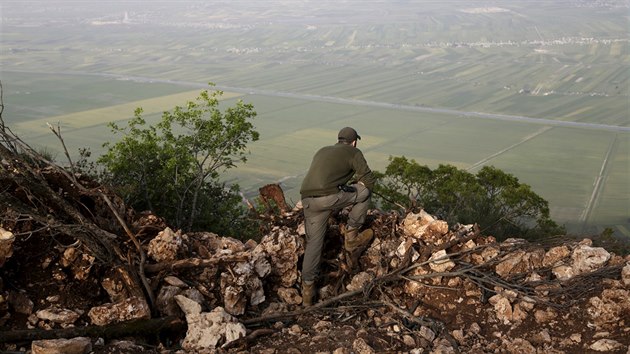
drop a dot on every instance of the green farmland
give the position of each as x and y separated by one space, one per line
561 164
541 92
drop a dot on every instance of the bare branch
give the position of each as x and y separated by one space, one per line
57 133
143 278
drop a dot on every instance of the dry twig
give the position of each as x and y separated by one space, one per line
249 338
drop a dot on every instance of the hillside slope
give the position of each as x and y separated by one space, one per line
81 272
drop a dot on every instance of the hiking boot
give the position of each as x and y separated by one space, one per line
354 240
308 293
354 244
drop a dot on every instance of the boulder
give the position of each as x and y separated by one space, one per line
587 259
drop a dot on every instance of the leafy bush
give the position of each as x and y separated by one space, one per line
495 200
173 168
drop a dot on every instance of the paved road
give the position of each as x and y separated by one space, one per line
484 115
598 185
247 90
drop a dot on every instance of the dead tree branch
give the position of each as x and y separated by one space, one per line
118 330
315 307
437 326
195 262
143 257
57 133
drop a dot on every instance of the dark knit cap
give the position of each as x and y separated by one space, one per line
348 134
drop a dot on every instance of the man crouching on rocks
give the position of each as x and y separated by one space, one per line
324 190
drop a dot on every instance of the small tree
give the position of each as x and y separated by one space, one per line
513 207
404 182
492 198
173 168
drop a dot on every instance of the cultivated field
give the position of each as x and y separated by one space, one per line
539 91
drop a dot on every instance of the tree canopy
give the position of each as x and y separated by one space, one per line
492 198
173 168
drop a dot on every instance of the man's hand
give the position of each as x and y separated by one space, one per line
347 188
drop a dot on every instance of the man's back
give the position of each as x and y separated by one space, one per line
332 166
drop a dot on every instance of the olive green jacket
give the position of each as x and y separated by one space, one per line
334 165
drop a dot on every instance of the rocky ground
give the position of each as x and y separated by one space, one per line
80 272
422 286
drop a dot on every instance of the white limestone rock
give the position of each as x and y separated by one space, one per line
625 275
606 310
587 259
290 296
58 315
132 308
424 226
283 247
359 281
605 345
440 262
208 330
165 246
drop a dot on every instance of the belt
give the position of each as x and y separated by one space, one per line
319 196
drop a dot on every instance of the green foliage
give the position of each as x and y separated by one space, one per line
220 210
495 200
172 168
87 166
43 152
47 154
607 240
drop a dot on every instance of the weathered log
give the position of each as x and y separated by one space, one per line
195 262
118 330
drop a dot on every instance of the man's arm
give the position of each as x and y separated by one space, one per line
363 172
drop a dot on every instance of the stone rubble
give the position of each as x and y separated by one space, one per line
509 307
522 282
